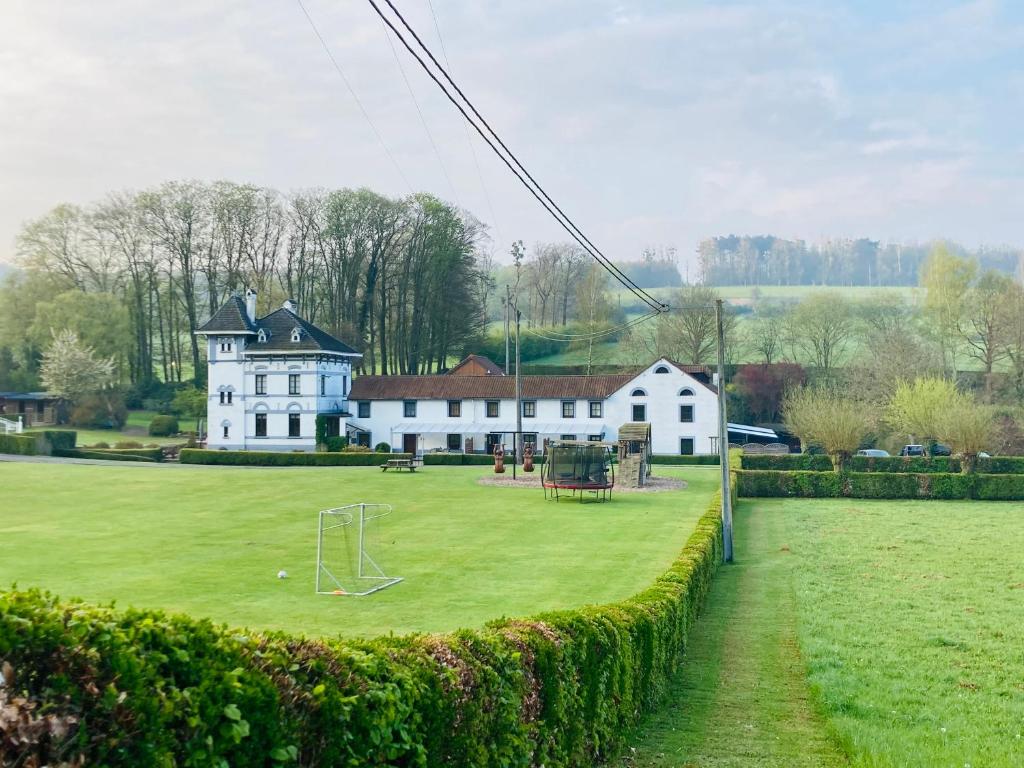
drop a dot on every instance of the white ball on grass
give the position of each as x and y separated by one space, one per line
282 574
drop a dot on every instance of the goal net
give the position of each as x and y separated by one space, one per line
348 550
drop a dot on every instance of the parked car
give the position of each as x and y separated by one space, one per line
876 453
938 449
912 450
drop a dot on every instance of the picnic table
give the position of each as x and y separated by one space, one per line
400 464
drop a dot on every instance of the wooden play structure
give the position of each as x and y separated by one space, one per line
634 454
578 468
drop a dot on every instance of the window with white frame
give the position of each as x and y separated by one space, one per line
225 345
594 438
686 413
686 392
596 409
639 412
661 369
409 409
568 409
261 383
492 409
454 409
261 425
567 437
364 409
454 442
294 387
686 446
226 432
529 409
294 425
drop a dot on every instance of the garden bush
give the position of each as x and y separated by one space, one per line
142 688
100 444
112 454
914 464
59 438
1002 465
163 426
273 459
685 461
879 485
127 444
788 461
382 448
23 445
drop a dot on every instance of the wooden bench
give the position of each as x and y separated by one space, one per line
399 464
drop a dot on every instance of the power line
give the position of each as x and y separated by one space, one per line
596 334
419 111
355 96
469 136
533 187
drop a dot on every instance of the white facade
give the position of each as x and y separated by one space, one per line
682 410
263 396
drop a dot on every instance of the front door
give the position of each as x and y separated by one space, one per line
409 443
493 439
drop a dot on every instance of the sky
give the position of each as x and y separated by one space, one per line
653 124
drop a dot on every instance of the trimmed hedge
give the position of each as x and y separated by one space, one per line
59 439
163 426
23 445
695 460
143 688
879 485
273 459
470 459
808 462
113 454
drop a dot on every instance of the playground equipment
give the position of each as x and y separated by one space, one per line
499 459
578 467
634 454
346 537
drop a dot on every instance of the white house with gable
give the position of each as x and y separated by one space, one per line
473 407
269 378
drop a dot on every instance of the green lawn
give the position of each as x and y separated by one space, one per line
741 699
209 541
136 429
911 620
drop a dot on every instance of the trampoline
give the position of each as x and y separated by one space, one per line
579 469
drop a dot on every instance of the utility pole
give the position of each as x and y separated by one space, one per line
518 442
508 296
723 439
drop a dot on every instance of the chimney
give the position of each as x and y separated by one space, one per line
291 305
250 304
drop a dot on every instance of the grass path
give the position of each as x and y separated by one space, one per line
742 696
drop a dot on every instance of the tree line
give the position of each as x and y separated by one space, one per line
769 260
134 275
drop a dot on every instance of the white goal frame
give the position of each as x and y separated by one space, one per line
367 570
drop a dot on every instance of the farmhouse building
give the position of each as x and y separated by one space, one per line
270 377
460 411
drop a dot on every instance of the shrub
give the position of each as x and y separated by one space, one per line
382 448
913 464
335 443
127 444
352 448
113 454
558 689
99 411
1002 465
163 426
23 445
879 485
999 487
59 438
788 461
100 444
672 459
272 459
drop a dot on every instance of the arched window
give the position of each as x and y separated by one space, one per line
686 392
638 393
261 337
296 334
661 369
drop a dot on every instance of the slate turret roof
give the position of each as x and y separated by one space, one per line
230 317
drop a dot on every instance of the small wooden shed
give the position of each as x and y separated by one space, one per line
634 454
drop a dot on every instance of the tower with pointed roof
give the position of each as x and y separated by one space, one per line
270 377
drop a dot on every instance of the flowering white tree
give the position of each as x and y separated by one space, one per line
71 369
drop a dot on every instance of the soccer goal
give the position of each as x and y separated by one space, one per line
347 548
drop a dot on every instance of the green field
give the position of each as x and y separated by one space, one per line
890 629
209 541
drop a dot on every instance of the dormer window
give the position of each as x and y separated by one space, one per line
261 337
296 335
225 345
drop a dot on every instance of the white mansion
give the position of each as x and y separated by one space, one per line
270 377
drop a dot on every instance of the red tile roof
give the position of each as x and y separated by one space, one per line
441 387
